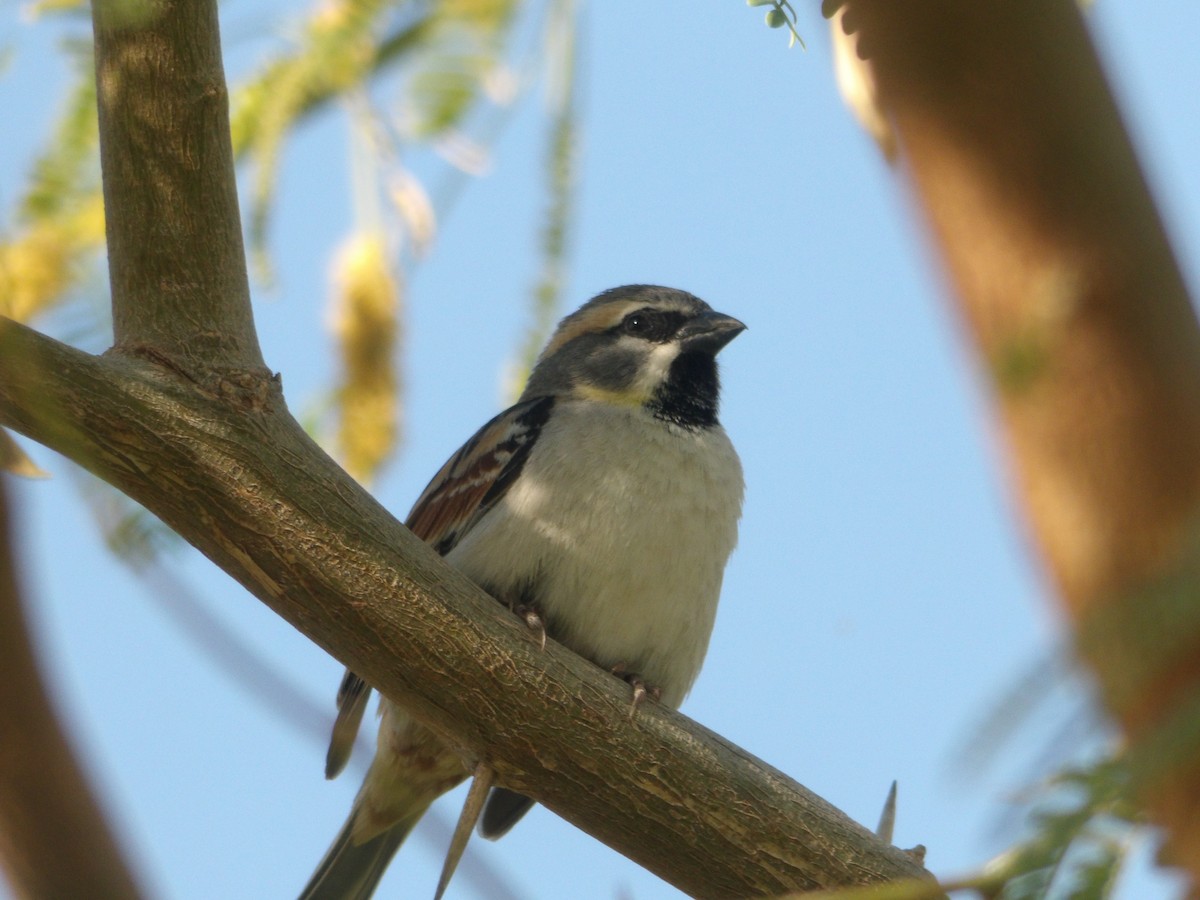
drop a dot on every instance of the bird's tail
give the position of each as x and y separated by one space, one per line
352 871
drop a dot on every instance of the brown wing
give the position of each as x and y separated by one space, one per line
460 493
477 475
351 704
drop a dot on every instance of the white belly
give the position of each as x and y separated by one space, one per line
623 539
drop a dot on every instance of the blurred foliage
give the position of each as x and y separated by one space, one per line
133 535
366 321
58 223
441 51
1080 820
417 77
560 186
780 15
1083 826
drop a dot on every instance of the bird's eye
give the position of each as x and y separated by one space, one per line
649 324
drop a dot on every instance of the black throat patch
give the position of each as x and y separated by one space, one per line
689 396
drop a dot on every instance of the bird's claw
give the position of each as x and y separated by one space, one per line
533 621
641 689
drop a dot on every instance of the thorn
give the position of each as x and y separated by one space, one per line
887 818
472 809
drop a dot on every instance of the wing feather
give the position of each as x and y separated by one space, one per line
352 699
470 483
478 475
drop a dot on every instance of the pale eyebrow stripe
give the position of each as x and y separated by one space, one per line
599 319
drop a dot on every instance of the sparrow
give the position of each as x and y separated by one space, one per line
602 507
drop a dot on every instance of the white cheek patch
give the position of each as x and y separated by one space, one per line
656 367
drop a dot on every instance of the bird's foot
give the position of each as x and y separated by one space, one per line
533 621
641 688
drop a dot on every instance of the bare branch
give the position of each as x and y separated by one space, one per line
1081 319
53 838
176 261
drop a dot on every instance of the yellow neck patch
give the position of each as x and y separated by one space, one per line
630 397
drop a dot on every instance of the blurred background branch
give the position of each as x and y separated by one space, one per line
54 839
1081 322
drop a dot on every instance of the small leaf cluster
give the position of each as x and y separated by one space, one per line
1082 831
781 14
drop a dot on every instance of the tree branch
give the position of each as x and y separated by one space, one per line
176 260
53 838
234 474
1081 319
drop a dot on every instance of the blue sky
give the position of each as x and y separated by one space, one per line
883 598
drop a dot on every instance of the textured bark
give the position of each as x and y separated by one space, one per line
176 261
54 841
1080 318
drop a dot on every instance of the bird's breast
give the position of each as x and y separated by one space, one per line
618 529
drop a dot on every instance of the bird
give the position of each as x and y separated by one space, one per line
602 507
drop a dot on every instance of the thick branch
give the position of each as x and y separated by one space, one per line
176 261
1078 311
53 838
236 476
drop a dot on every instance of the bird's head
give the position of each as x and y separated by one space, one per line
640 346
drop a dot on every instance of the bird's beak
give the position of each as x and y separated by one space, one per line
709 331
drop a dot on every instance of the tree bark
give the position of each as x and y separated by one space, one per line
1083 326
54 841
177 267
